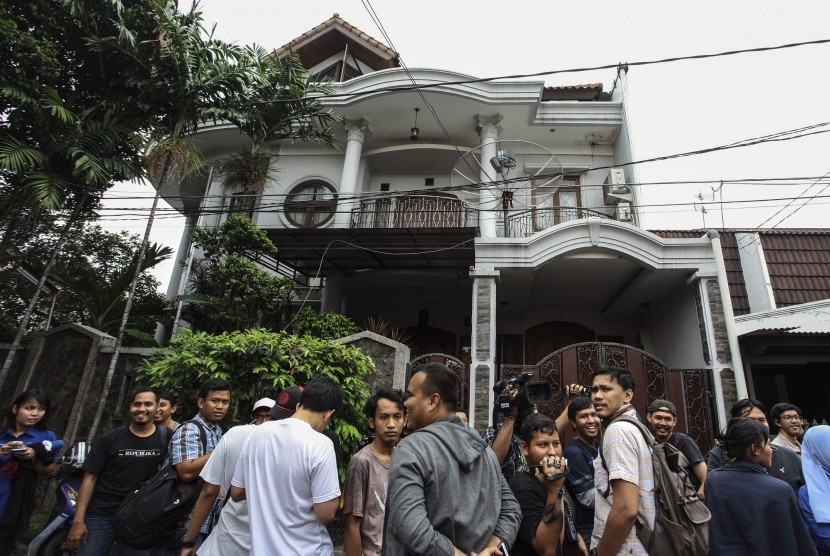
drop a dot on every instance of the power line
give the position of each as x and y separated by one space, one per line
403 88
779 136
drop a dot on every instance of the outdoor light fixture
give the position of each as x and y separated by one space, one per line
503 161
415 132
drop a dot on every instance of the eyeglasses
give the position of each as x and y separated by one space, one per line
790 418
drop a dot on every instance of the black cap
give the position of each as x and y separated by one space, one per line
662 405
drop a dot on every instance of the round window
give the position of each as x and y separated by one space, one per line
311 204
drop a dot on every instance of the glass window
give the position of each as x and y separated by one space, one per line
311 204
243 202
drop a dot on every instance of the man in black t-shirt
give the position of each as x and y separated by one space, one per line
662 418
119 461
547 524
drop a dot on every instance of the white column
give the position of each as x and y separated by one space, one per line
488 129
483 348
357 131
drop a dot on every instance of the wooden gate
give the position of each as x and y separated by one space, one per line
458 367
689 389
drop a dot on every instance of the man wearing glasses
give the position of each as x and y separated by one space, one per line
787 417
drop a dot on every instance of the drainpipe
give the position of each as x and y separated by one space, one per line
728 315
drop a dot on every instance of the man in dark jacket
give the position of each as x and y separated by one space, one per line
446 491
786 464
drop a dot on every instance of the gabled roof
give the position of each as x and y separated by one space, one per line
798 262
331 37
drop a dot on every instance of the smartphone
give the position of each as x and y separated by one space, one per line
18 450
503 549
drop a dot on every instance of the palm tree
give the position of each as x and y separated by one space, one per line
103 297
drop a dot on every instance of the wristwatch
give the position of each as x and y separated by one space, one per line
188 544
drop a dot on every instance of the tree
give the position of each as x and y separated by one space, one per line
90 279
72 122
227 289
259 362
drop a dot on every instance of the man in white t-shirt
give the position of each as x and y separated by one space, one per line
288 474
232 533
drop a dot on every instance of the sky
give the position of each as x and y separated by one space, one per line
673 108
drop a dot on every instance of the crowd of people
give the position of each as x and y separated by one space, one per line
425 482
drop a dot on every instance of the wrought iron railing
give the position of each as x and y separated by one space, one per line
528 222
414 211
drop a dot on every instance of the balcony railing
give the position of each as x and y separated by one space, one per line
529 222
414 211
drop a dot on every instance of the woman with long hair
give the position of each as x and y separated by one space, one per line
25 453
814 497
752 512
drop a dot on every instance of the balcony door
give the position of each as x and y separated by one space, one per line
554 204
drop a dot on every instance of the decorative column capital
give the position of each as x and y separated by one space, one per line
488 126
357 130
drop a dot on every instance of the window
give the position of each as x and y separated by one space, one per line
311 204
555 204
243 202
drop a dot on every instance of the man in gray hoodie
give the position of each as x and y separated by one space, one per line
446 494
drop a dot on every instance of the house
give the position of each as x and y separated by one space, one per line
779 282
503 235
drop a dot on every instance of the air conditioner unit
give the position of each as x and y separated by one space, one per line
614 189
623 212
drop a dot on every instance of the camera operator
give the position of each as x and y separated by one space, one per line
547 526
502 436
503 440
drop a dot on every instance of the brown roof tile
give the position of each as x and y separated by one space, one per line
731 260
336 21
799 265
589 91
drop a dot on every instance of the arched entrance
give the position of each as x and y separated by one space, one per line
689 389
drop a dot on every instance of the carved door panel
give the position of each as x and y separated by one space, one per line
458 367
688 389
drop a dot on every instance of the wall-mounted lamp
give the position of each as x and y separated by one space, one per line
415 132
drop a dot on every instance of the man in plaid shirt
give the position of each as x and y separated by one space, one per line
188 454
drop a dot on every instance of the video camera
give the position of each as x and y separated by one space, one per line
530 392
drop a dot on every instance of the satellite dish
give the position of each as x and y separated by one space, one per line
506 180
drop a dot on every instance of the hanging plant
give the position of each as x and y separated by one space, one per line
248 169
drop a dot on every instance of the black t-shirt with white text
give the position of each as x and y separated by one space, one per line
122 461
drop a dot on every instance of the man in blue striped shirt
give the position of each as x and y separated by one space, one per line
188 452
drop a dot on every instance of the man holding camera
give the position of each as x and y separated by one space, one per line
547 526
516 401
503 440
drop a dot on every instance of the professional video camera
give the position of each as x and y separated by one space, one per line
530 392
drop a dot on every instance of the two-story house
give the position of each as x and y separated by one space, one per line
505 234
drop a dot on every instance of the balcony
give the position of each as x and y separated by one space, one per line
414 211
529 222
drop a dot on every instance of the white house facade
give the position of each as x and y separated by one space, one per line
504 236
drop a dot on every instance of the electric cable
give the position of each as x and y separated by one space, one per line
402 88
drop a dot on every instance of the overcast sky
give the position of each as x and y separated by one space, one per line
674 107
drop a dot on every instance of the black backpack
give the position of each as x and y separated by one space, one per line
151 512
681 525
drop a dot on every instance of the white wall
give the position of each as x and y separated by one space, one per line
675 332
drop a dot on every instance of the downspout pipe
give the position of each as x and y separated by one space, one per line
728 315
